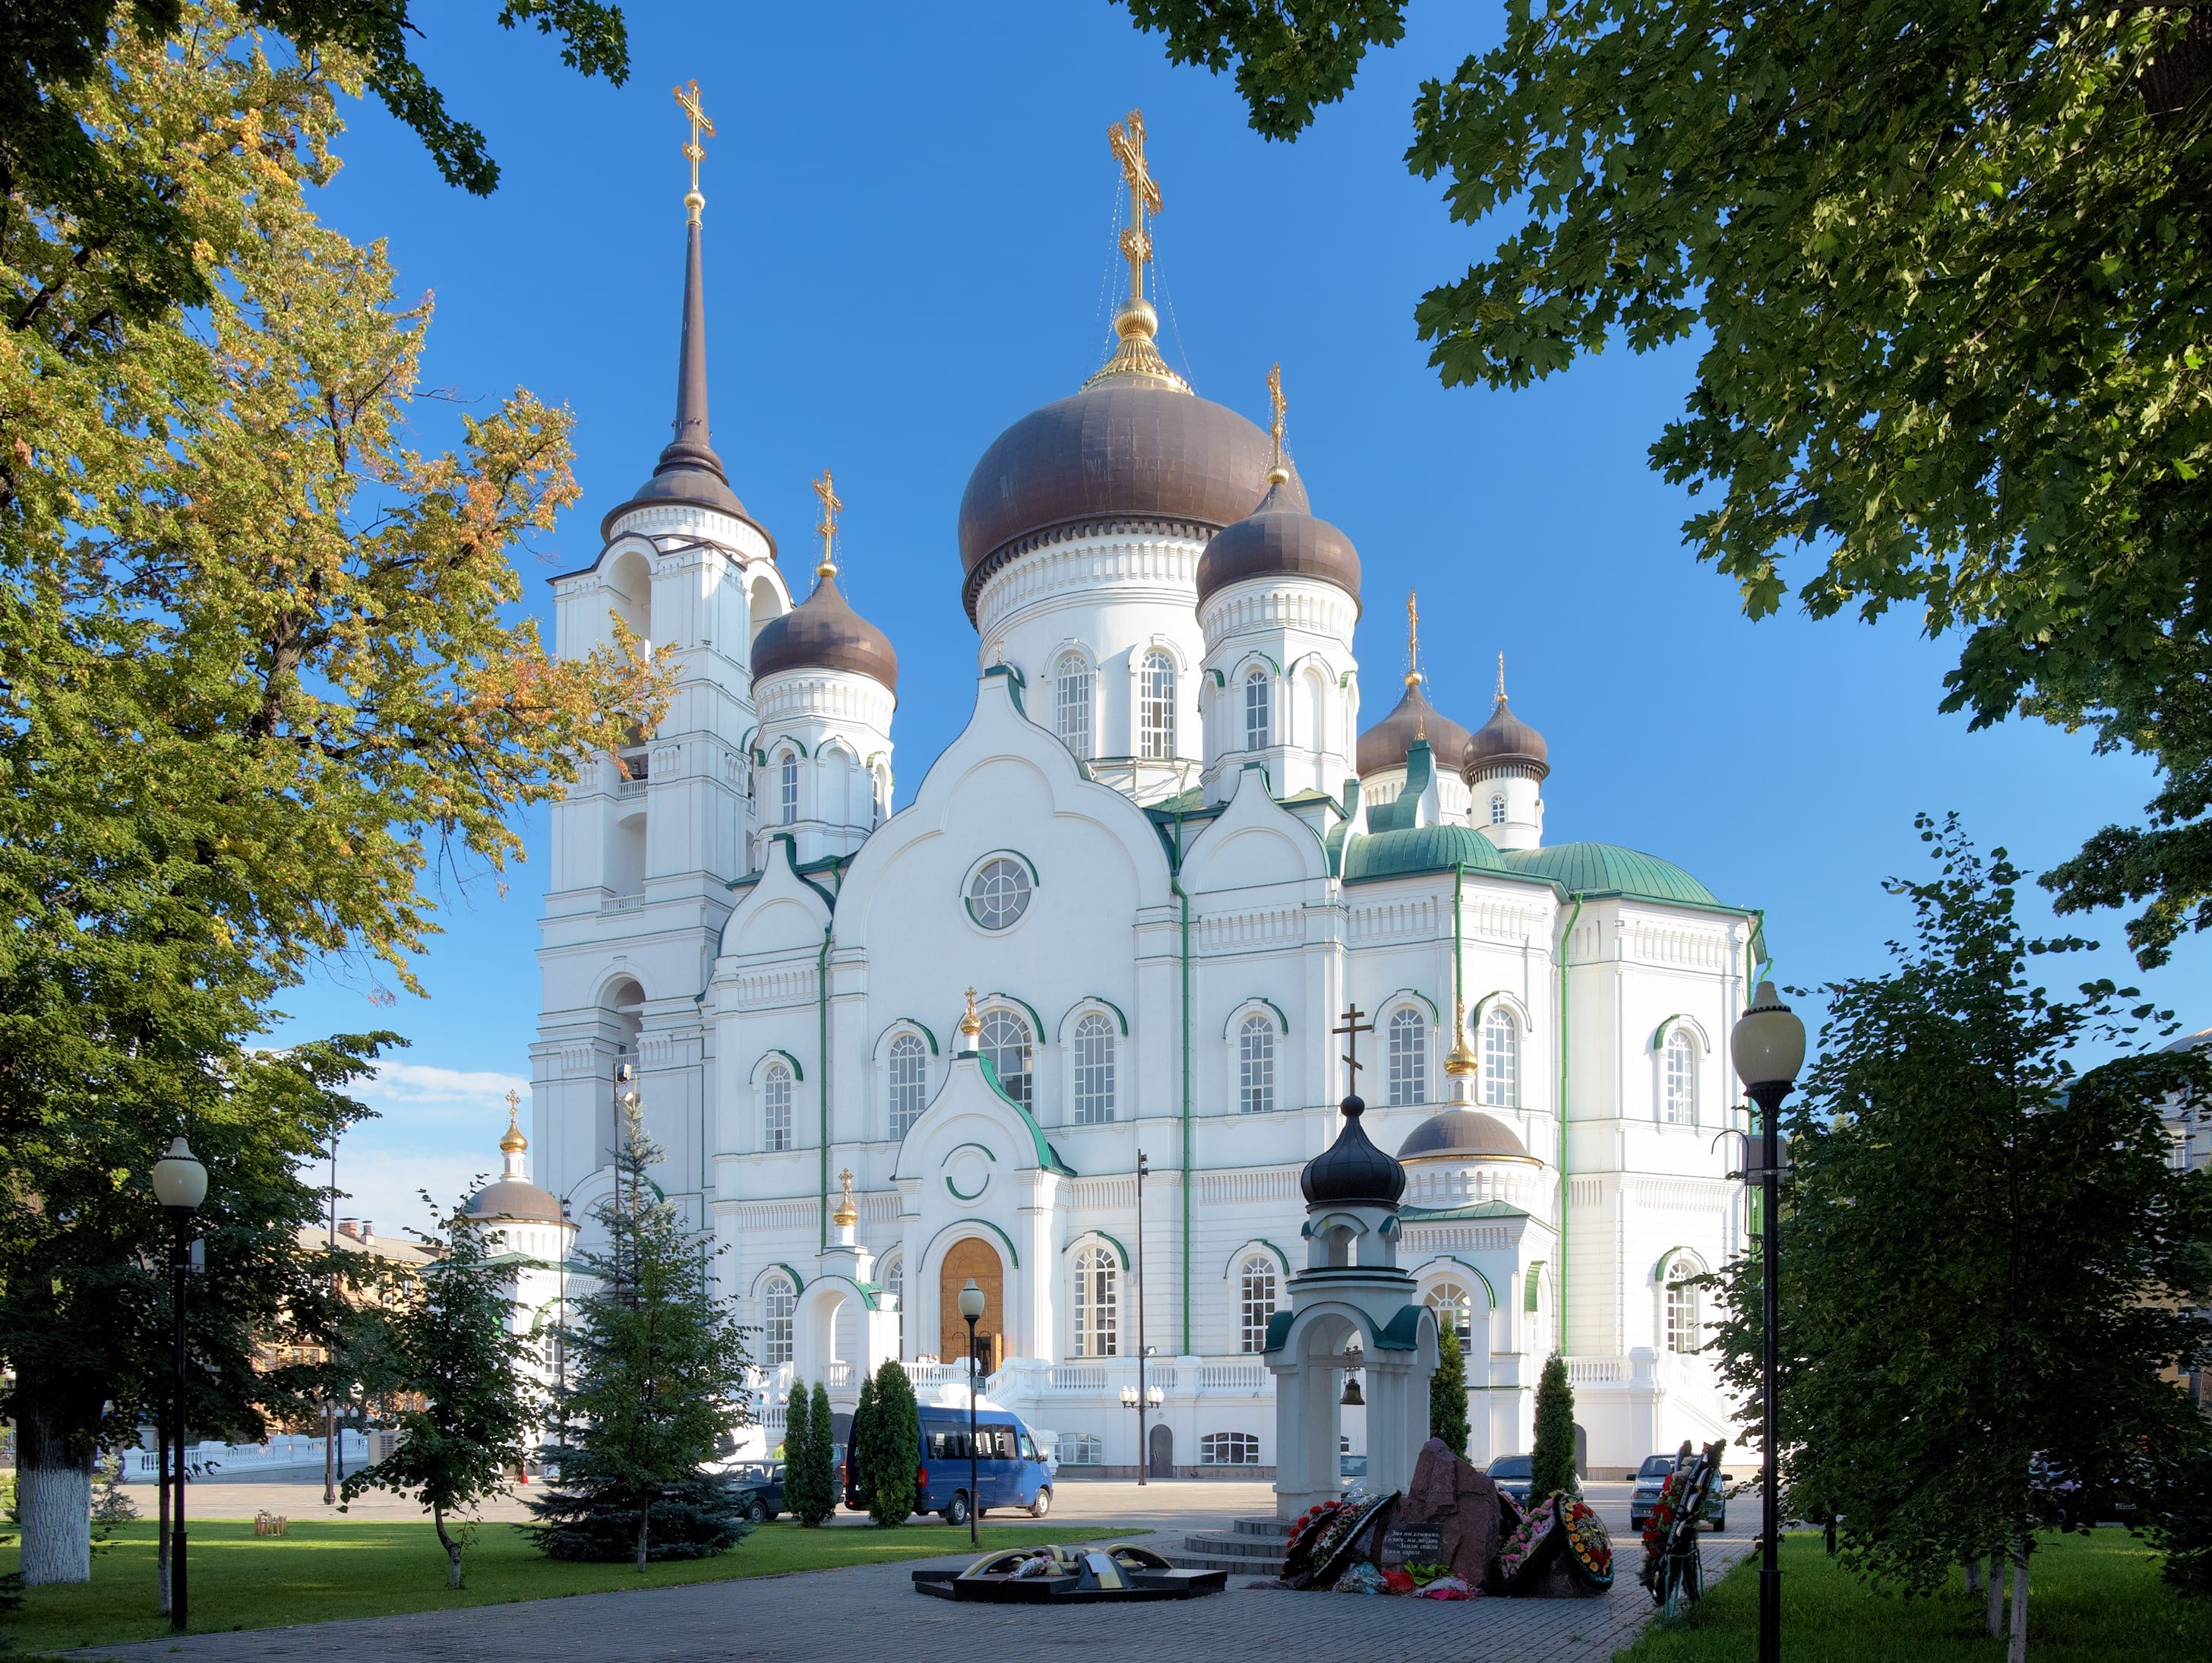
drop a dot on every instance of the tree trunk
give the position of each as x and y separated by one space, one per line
644 1523
2017 1653
53 1494
451 1546
1973 1575
1997 1596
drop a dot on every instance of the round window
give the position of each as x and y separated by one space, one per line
999 893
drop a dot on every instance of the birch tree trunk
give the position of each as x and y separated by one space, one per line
1997 1596
2018 1651
53 1492
1973 1575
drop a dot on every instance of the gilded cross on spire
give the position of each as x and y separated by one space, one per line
1501 678
830 503
1413 658
1352 1028
688 98
846 1214
1137 323
1277 474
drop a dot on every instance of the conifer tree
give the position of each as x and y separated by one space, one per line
815 1462
795 1442
448 1339
656 1367
894 1448
856 1442
1552 1465
1448 1392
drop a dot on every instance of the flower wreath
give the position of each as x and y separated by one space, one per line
1522 1545
1589 1544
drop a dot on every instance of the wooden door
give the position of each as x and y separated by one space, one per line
971 1256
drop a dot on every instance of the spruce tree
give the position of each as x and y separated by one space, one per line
856 1443
1448 1394
657 1369
794 1446
893 1450
1553 1466
820 1458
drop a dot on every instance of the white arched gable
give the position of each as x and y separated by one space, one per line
1254 840
1091 1004
781 912
1083 1238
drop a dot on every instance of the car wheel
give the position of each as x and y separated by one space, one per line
1043 1505
758 1512
956 1510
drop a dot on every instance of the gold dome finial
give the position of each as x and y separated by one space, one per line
1412 638
971 1025
1137 323
846 1214
1277 474
1462 1061
693 202
830 503
514 1143
1501 678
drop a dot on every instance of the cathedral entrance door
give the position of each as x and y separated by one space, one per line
1161 1453
972 1255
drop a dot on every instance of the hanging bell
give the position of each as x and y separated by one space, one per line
1352 1399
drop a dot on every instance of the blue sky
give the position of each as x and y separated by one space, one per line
909 227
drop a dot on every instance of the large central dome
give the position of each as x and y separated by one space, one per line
1127 445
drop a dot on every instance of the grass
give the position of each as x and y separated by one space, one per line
2090 1597
324 1570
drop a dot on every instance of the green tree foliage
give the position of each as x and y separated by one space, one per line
1947 265
893 1448
448 1336
259 666
1552 1460
657 1381
856 1440
1448 1392
54 166
794 1444
1986 1258
816 1463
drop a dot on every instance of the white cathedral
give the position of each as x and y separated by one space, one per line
1165 858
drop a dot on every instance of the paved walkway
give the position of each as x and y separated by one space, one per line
831 1616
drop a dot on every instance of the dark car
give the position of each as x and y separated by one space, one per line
760 1486
1651 1478
1511 1473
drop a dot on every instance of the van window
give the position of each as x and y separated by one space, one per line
1029 1448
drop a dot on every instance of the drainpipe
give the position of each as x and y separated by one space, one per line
821 1075
1458 955
1566 947
1183 896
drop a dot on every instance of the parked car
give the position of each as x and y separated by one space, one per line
1352 1470
1511 1473
1651 1478
1009 1472
760 1485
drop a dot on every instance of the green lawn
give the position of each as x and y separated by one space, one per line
2095 1597
327 1569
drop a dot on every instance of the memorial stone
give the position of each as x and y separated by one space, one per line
1448 1516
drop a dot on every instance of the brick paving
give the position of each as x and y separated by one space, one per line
872 1610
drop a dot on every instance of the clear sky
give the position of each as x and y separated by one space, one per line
908 245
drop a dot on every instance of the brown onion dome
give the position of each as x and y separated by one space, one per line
823 632
1385 744
1463 1135
513 1199
1278 540
1127 445
1505 746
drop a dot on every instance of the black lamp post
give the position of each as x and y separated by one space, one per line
971 1308
181 1185
1769 1046
1139 1400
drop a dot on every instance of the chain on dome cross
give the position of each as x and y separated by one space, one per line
1127 139
1351 1029
688 98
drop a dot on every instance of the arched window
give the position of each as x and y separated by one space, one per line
1095 1299
895 1284
778 1301
1257 1289
1155 708
1501 1059
1259 710
1081 1449
1315 736
1094 1070
1228 1449
1071 704
1255 1066
1005 1046
1497 809
1409 1057
1681 1080
999 893
775 1108
788 788
909 1080
1684 1325
1454 1309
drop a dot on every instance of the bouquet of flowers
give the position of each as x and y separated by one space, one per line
1523 1547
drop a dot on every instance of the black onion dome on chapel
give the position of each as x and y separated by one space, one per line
823 632
1125 445
1465 1134
1351 1170
1505 744
1279 539
1385 744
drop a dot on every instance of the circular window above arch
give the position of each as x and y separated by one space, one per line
999 892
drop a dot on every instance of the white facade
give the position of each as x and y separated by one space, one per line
1162 927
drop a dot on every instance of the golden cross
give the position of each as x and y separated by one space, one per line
1127 140
830 503
1352 1028
1501 678
845 1181
1276 403
513 1104
693 149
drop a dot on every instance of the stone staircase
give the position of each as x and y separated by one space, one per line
1251 1547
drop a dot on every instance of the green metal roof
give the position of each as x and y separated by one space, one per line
1605 868
1419 848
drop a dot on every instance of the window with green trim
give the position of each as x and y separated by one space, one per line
1409 1057
775 1108
1096 1299
999 893
1006 1042
1257 1290
1094 1070
909 1082
1255 1066
1501 1059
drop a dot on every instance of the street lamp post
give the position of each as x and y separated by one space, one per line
971 1308
1140 1399
1144 1171
181 1185
1769 1048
